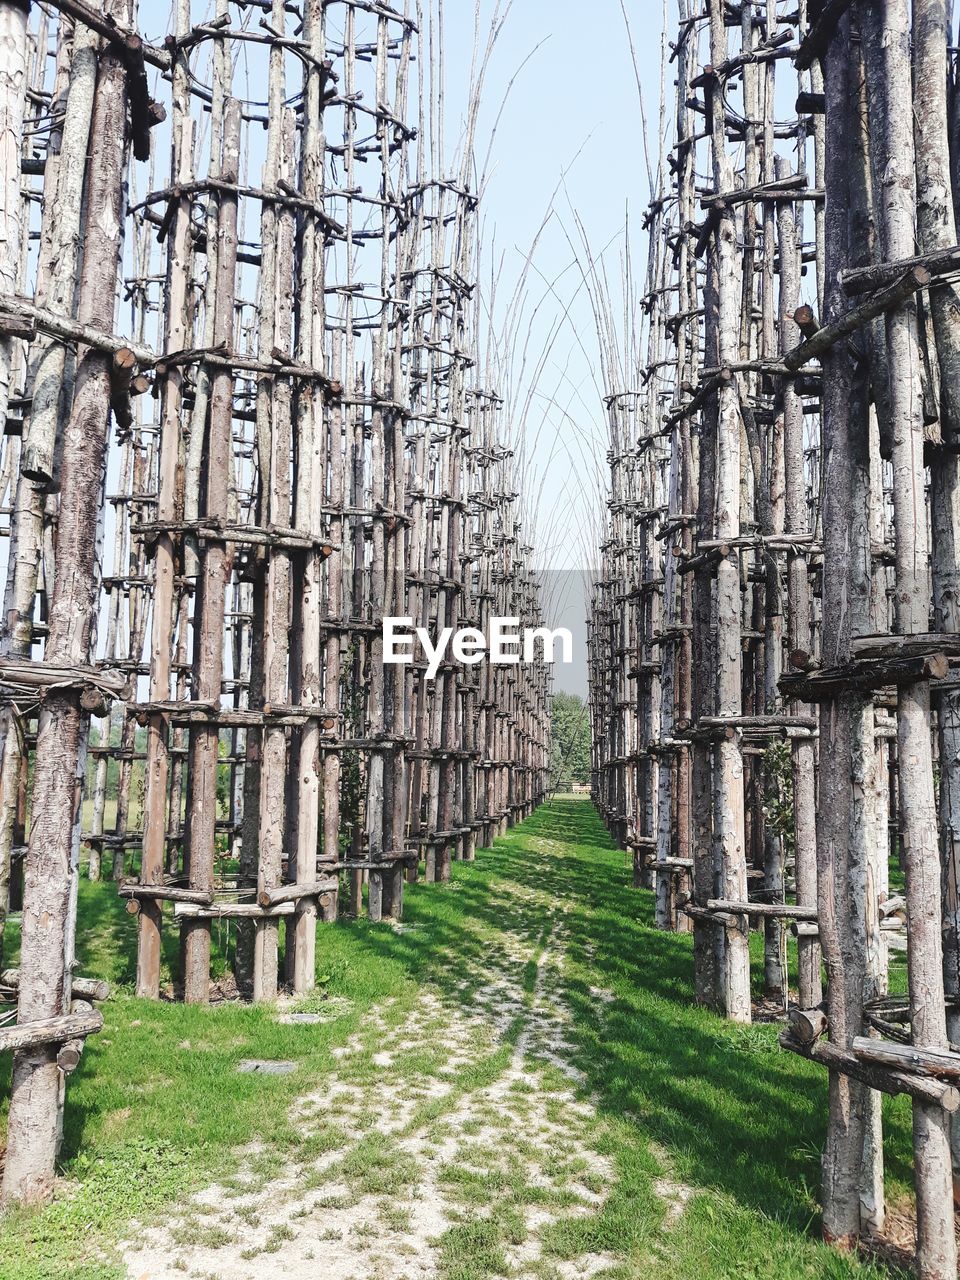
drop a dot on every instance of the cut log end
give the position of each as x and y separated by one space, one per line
807 1025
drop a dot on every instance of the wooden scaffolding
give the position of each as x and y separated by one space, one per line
210 516
774 636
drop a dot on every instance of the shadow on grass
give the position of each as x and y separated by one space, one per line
737 1114
157 1107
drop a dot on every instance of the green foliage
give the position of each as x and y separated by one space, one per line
778 792
351 778
570 745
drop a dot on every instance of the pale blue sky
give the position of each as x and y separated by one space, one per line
573 110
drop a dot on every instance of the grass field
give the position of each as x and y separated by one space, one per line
513 1082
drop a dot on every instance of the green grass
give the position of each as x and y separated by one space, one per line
156 1108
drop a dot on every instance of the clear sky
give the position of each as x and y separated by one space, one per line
572 118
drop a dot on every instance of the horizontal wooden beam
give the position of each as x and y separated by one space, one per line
80 988
908 1057
129 41
874 1076
775 910
887 299
43 1031
858 280
231 911
294 892
864 674
165 893
69 330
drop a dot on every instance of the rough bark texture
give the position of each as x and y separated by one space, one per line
208 655
887 53
51 869
937 228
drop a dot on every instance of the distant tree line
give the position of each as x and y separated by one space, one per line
570 750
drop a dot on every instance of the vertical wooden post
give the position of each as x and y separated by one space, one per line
886 36
937 226
841 722
799 633
176 331
276 444
212 585
47 930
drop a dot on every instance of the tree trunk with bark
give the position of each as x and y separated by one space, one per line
886 37
839 873
47 931
212 585
937 228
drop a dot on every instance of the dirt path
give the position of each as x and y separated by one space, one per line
454 1143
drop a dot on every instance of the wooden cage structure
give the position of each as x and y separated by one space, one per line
774 637
244 422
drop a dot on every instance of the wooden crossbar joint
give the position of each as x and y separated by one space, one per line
887 299
875 1076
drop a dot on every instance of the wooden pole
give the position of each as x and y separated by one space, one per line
887 57
728 812
937 225
840 872
157 771
212 586
51 869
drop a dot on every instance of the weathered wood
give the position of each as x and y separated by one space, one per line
70 1053
26 526
208 654
75 331
231 911
274 402
864 674
846 1064
840 867
816 43
937 262
80 988
51 870
165 893
807 1025
157 769
796 521
906 646
907 1057
44 1032
886 42
13 87
886 300
784 910
937 226
19 673
728 815
802 454
295 892
308 514
122 37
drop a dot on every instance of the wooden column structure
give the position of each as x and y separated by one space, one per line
729 511
205 569
807 386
